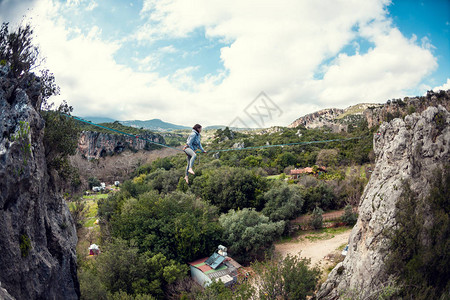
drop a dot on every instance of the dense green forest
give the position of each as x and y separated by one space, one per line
157 223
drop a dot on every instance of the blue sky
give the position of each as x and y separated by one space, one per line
205 61
430 20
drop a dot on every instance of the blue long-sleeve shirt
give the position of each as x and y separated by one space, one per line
193 141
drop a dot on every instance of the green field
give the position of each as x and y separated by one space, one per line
324 233
92 208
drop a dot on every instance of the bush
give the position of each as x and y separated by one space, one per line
349 217
230 188
177 225
283 202
165 181
288 278
321 196
248 233
316 220
78 211
25 245
61 134
93 181
17 49
327 157
121 268
284 160
419 251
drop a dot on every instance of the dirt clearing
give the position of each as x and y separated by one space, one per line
315 246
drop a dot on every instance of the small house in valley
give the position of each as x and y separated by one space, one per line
94 250
316 170
218 266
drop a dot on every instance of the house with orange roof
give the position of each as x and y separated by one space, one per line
296 173
219 266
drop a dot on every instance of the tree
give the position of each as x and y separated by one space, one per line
288 278
17 49
178 225
230 188
283 202
285 159
78 210
121 268
327 157
18 52
93 181
316 218
321 196
60 141
61 133
165 181
248 233
349 217
252 161
421 264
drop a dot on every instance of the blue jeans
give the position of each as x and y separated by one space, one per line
190 158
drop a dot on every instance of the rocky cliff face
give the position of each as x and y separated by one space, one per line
399 108
408 149
324 117
37 233
96 144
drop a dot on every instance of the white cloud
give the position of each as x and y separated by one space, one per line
393 66
92 5
73 2
444 87
271 47
168 49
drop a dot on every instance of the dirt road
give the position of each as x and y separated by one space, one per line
315 250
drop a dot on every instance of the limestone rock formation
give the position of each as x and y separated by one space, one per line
37 233
398 108
324 117
97 144
409 149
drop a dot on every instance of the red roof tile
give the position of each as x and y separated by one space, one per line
204 268
198 261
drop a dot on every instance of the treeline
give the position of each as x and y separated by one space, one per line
116 125
275 159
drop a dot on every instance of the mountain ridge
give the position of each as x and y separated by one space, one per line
152 124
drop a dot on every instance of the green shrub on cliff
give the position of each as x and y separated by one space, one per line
419 250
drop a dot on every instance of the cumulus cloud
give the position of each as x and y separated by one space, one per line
92 5
444 87
279 49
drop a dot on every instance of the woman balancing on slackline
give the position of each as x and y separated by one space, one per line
192 144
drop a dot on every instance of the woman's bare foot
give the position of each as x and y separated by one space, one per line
191 171
187 179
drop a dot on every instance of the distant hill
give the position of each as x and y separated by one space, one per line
98 120
153 125
215 127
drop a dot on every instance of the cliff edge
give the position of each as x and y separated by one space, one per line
409 149
37 233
